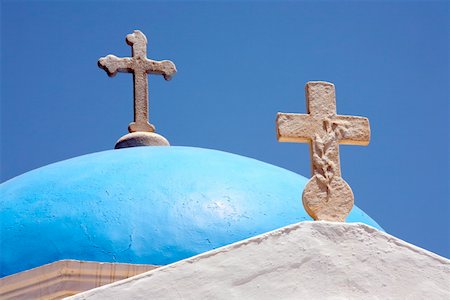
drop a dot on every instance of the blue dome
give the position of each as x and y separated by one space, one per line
149 205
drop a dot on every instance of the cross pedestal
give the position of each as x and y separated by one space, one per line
141 132
326 196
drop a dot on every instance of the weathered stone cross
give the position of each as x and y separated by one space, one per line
326 196
140 66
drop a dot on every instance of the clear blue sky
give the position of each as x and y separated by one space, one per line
239 63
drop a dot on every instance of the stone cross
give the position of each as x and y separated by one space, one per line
140 66
326 196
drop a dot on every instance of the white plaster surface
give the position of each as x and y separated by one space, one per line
308 260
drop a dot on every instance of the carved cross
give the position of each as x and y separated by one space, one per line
140 66
326 196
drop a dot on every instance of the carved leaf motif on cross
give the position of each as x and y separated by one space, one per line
326 196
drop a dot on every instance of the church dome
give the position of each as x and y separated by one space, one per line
144 205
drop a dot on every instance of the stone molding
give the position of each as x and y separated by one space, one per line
65 278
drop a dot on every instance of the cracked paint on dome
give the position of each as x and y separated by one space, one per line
144 205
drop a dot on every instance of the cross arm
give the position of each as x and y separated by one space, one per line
357 132
294 127
164 67
113 64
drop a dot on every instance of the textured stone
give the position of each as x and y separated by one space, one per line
140 66
307 260
326 196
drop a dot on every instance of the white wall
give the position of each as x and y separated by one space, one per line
308 260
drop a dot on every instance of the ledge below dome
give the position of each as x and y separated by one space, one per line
65 278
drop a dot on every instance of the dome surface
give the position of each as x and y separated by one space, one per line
148 205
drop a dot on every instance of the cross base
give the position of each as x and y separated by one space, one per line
136 139
328 201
